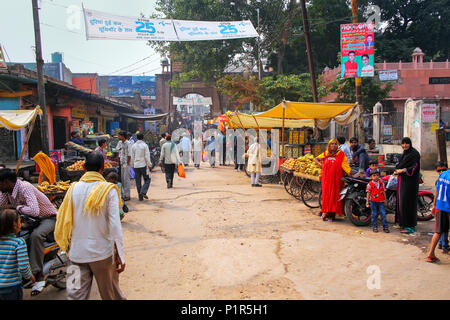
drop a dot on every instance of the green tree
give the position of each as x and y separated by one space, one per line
372 91
411 24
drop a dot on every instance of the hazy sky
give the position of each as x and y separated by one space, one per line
79 55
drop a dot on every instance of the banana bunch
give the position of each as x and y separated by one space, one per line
308 166
59 186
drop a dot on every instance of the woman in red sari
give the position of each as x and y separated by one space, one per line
334 166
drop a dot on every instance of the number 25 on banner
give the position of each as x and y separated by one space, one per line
228 29
145 27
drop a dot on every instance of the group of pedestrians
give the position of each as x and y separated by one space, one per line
135 155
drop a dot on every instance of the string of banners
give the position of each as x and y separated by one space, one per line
101 25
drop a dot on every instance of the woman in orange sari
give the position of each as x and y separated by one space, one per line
334 166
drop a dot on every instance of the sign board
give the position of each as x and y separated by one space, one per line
192 101
2 59
388 75
439 80
357 50
101 25
126 86
429 112
387 130
78 112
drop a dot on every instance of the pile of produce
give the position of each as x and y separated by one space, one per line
59 186
77 166
290 164
308 166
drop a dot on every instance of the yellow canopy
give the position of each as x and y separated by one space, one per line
307 110
17 119
246 121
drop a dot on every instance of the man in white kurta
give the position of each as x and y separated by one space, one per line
96 246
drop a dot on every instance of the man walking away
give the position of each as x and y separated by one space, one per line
171 158
142 165
89 224
198 146
211 147
125 161
185 145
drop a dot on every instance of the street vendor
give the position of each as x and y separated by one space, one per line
26 199
334 166
75 138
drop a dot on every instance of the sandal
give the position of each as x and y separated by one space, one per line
386 230
375 229
432 260
37 288
324 217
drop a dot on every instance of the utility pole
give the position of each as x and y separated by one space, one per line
259 48
40 75
308 49
357 79
169 124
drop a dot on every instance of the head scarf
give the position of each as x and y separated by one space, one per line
409 157
328 152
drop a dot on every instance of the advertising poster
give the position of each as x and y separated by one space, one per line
126 86
429 112
2 59
357 50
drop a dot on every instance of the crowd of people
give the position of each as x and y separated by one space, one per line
87 225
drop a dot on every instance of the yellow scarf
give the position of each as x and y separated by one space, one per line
94 202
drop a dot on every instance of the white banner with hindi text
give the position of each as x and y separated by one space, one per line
101 25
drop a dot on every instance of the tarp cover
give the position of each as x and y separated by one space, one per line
246 121
307 110
17 119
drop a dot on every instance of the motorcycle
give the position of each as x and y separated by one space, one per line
55 263
354 197
154 156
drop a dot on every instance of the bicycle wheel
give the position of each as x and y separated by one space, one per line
296 187
287 182
311 194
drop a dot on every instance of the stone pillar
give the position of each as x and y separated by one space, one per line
332 129
377 109
418 122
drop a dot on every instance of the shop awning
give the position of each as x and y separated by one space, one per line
145 117
247 121
17 119
307 110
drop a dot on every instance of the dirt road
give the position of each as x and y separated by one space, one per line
213 236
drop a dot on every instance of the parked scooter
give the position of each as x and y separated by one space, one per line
354 197
54 263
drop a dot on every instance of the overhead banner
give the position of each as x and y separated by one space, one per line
213 30
2 59
101 25
192 101
357 50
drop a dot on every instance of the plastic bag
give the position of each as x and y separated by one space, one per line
205 156
181 172
132 174
392 183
